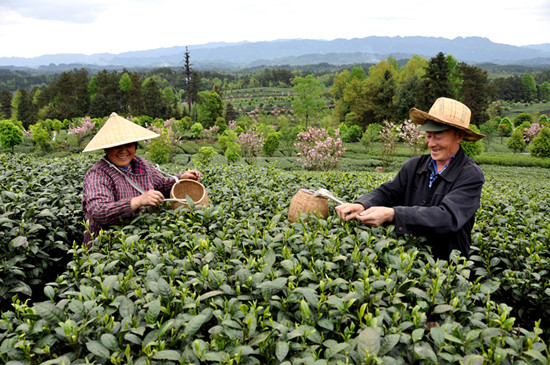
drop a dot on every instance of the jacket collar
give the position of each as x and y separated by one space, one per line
451 172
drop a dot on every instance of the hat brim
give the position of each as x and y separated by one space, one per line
118 131
420 117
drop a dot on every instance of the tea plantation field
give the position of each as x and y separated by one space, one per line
237 283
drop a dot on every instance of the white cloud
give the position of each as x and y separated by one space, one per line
30 28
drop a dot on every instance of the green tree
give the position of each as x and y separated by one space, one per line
455 77
5 104
509 124
40 136
154 105
490 129
405 97
380 92
522 118
271 143
308 98
25 110
416 66
209 108
544 91
10 134
516 142
435 82
529 87
135 95
474 91
541 143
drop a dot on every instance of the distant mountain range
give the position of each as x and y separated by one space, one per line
295 52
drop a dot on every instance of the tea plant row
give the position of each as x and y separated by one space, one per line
238 283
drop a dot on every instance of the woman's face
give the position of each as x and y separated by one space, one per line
122 155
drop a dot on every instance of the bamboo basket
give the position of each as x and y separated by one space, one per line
305 202
194 189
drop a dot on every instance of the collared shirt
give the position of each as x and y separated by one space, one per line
434 172
107 194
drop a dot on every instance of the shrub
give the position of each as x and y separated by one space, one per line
271 144
226 138
221 124
523 117
353 134
371 135
541 143
196 130
40 136
204 156
10 134
473 148
516 142
505 128
233 152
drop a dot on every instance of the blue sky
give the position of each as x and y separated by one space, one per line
30 28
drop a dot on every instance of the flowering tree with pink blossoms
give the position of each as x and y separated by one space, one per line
251 145
80 131
411 135
318 150
530 133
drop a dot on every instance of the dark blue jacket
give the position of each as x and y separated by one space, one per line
444 213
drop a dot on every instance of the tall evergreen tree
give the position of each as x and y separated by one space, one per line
474 91
5 104
193 90
135 95
188 74
25 110
435 83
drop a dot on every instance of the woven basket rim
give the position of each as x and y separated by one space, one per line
191 181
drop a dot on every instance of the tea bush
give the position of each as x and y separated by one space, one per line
238 283
40 216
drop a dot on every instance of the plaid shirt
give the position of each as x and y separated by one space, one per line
106 194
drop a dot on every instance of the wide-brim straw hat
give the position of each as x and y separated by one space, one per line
118 131
449 112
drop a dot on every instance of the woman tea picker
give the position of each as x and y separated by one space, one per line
121 184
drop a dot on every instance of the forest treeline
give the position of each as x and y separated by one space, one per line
359 94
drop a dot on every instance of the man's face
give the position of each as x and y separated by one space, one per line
122 155
443 145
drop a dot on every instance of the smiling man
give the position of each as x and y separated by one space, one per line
435 195
121 183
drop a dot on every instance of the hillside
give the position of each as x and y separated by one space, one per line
296 52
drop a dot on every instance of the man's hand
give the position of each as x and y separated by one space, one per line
375 216
349 211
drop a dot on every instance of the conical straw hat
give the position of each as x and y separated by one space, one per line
118 131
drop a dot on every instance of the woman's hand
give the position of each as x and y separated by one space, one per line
349 211
191 174
151 198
